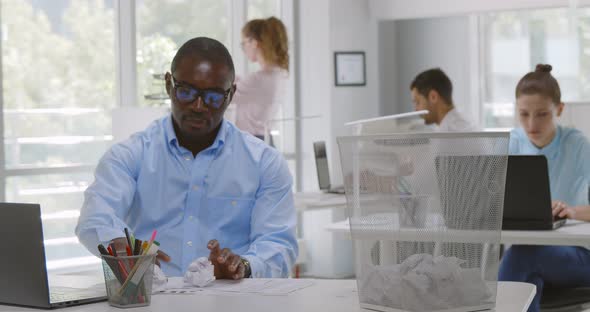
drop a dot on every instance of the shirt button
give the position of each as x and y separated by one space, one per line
233 203
195 187
190 218
189 243
187 157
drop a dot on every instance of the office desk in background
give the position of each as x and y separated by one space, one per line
325 255
573 233
306 201
323 296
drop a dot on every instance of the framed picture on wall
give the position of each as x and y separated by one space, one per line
349 69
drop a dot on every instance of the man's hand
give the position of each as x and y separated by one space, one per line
562 210
227 264
120 246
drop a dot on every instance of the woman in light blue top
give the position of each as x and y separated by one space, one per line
538 104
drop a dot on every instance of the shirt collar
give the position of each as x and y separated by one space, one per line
551 149
449 116
173 139
221 136
169 131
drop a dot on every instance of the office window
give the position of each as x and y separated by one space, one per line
263 8
162 27
260 9
514 42
58 86
283 126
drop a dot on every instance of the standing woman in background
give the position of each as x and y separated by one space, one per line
538 104
259 95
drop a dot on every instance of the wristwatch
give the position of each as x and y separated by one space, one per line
247 269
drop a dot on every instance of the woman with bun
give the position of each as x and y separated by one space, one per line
538 104
260 94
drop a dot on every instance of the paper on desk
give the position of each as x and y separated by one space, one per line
276 287
271 286
281 287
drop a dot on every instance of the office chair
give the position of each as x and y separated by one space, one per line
565 299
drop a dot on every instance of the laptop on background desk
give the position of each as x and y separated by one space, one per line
323 170
23 271
527 197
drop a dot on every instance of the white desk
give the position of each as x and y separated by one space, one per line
318 200
573 233
324 296
323 254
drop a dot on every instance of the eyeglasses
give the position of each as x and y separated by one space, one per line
211 98
243 42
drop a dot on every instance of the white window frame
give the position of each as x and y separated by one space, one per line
126 80
478 32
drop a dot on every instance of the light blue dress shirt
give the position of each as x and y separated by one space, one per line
237 191
568 161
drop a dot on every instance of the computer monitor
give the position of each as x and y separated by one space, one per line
398 123
323 170
321 163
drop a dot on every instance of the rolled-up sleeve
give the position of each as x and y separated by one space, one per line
108 198
273 246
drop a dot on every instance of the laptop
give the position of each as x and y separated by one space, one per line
23 271
527 200
321 164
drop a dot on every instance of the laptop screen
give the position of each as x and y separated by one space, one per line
528 194
321 163
23 271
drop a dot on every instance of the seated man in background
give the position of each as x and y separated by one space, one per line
432 90
206 187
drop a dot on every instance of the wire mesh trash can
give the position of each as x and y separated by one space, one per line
425 213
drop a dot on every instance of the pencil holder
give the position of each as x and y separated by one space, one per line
128 280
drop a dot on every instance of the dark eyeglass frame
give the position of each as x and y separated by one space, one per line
202 93
243 42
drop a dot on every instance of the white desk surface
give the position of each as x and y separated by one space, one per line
573 233
324 296
318 200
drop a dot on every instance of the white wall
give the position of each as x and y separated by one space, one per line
353 29
406 9
315 82
326 27
420 44
388 69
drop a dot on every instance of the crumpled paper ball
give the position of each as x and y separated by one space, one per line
199 273
159 280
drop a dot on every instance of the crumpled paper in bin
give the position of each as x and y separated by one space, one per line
424 283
